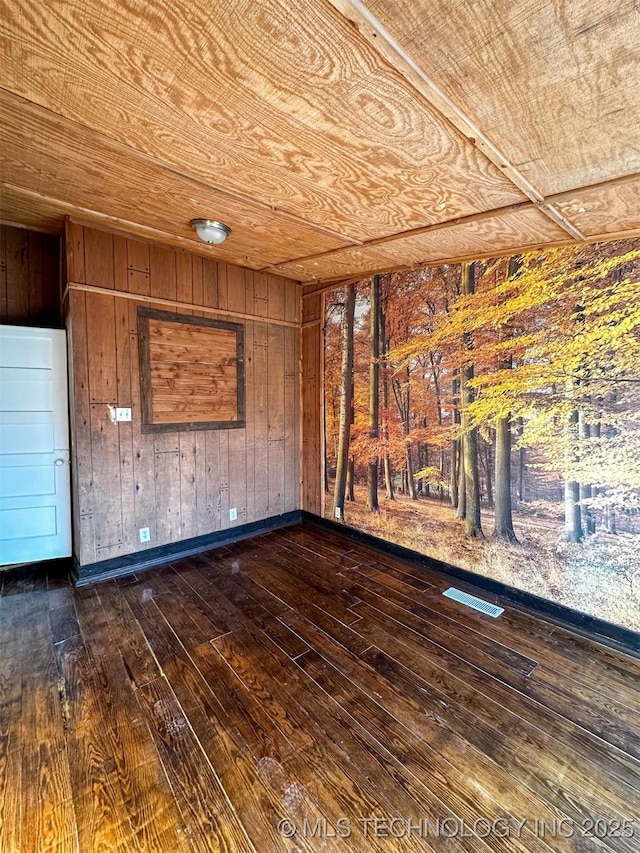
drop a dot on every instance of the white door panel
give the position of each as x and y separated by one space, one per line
35 506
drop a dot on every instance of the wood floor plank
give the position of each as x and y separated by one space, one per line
503 737
10 796
211 822
581 704
341 786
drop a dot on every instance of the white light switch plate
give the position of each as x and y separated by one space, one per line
233 514
123 414
145 535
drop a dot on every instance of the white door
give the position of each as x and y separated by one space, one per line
35 490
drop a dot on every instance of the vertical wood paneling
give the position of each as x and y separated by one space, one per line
167 497
291 434
209 284
82 493
212 457
101 337
144 514
188 489
29 278
236 290
105 477
98 258
17 259
250 432
179 484
162 272
74 251
261 420
184 277
260 295
223 289
311 405
275 410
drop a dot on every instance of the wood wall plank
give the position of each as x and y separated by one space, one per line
29 278
311 404
101 338
275 413
98 258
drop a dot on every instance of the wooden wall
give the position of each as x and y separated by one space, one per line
29 278
312 384
179 484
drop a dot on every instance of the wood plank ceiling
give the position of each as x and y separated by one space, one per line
336 139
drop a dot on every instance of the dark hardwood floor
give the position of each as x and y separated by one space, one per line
299 681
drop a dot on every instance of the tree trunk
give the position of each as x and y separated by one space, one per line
403 402
411 483
503 528
472 525
388 482
384 348
461 510
350 475
488 467
374 391
453 491
586 492
346 402
456 449
572 514
521 462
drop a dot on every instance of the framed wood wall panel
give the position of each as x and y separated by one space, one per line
191 372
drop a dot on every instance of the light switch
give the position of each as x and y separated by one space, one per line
123 414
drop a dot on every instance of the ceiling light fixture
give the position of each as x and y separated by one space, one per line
441 206
210 231
582 209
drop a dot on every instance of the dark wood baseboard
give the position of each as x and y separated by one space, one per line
132 563
622 639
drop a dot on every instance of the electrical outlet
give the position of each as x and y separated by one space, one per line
123 414
233 514
145 535
338 512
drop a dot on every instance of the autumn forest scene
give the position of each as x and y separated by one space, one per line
487 414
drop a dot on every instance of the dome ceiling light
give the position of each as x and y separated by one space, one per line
210 231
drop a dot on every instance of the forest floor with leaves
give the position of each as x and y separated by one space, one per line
600 576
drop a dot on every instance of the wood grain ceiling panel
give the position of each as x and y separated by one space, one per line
613 209
30 211
280 101
555 84
342 263
527 227
63 161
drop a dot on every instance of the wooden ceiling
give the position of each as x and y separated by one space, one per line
336 139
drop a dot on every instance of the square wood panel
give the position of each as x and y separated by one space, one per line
191 372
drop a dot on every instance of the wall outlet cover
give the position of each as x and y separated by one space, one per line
145 534
233 514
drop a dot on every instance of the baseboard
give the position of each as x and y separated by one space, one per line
622 639
130 563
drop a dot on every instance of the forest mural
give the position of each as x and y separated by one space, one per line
487 414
